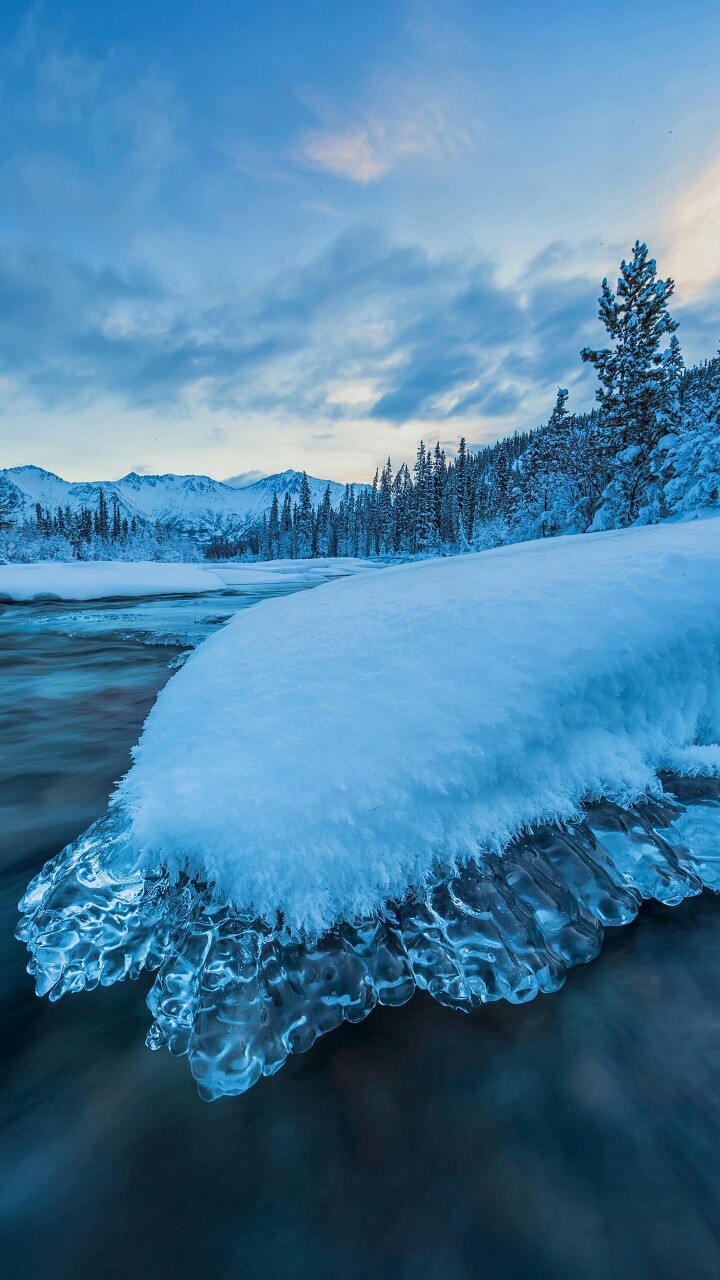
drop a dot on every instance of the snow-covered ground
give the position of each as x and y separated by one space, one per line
274 573
114 579
324 752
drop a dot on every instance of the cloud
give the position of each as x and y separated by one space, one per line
244 478
364 153
693 233
366 329
414 122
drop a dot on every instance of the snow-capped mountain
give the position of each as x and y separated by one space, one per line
191 503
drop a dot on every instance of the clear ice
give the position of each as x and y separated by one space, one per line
238 996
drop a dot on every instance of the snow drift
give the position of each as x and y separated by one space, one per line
326 752
103 580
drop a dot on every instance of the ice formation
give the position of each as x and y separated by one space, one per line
238 995
450 775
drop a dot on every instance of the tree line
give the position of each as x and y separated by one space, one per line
92 533
650 449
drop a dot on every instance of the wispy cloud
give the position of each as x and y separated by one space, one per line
367 150
367 329
406 119
693 232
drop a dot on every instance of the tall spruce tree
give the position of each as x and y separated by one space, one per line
634 388
102 523
424 525
386 531
304 521
6 505
286 528
274 529
462 529
324 534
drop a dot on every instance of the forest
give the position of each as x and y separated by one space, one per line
649 449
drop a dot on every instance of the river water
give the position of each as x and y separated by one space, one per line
577 1136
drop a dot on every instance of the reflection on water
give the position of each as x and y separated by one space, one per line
574 1137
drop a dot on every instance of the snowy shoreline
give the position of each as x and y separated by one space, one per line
117 579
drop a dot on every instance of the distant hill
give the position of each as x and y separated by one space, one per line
194 504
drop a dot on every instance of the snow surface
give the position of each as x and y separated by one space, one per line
103 579
323 751
279 573
115 579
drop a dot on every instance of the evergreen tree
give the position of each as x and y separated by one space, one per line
286 529
304 521
102 519
323 536
386 522
656 504
461 522
692 453
633 394
439 482
423 525
6 505
543 498
274 532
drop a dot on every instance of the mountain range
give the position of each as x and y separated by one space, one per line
194 504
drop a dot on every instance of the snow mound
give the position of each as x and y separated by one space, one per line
103 580
328 751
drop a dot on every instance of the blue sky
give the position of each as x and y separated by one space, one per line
251 235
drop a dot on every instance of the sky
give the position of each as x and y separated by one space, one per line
238 236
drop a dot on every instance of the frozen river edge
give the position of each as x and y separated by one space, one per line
238 996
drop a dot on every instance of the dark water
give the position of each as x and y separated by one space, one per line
574 1137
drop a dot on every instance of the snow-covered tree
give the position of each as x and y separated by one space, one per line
6 505
274 528
692 452
324 533
304 521
634 383
424 505
543 498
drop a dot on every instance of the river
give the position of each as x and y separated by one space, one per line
576 1136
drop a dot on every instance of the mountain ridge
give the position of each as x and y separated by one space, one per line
191 503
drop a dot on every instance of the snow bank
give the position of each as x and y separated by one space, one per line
98 580
323 751
111 579
278 573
